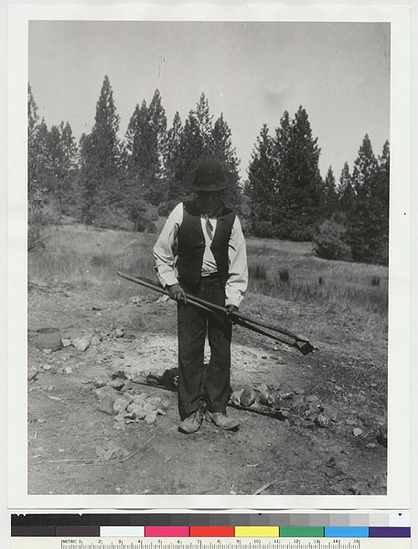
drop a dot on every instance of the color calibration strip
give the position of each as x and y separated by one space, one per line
214 531
392 524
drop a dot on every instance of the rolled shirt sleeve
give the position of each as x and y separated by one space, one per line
237 282
165 260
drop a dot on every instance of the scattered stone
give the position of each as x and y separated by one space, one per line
313 399
322 420
111 452
357 431
139 399
81 344
165 404
119 332
151 416
120 416
248 397
119 374
135 411
299 404
68 370
106 405
100 382
148 407
330 411
120 404
47 351
117 383
299 391
41 420
154 401
46 367
106 397
371 445
351 421
95 340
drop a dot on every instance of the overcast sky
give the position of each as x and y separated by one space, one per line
252 72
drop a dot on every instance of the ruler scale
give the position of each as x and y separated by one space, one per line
191 543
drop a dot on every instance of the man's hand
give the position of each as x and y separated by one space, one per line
177 293
231 309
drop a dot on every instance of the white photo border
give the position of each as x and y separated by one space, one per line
398 495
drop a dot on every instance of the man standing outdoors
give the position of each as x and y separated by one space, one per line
201 251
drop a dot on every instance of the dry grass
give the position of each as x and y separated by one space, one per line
87 258
315 280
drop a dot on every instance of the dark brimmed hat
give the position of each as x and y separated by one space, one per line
210 176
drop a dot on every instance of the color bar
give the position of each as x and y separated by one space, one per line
121 531
302 532
212 532
32 531
390 532
166 531
77 531
256 531
346 532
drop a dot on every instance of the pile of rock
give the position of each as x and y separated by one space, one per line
116 398
291 404
92 340
310 411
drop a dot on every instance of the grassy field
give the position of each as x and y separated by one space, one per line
85 257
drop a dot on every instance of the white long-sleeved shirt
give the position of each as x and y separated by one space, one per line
165 259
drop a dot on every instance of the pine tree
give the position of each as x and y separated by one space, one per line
329 195
192 151
173 188
204 121
158 122
145 144
136 144
345 189
299 181
223 150
100 158
37 170
157 148
260 189
368 219
63 150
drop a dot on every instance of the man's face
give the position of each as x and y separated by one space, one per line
209 201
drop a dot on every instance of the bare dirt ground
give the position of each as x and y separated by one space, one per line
330 439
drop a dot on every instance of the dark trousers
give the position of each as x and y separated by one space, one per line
199 384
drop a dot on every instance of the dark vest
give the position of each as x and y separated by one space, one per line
191 245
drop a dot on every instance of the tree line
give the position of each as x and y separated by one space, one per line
129 182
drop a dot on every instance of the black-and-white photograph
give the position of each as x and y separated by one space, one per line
208 245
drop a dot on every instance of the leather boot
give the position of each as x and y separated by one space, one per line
221 420
192 423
